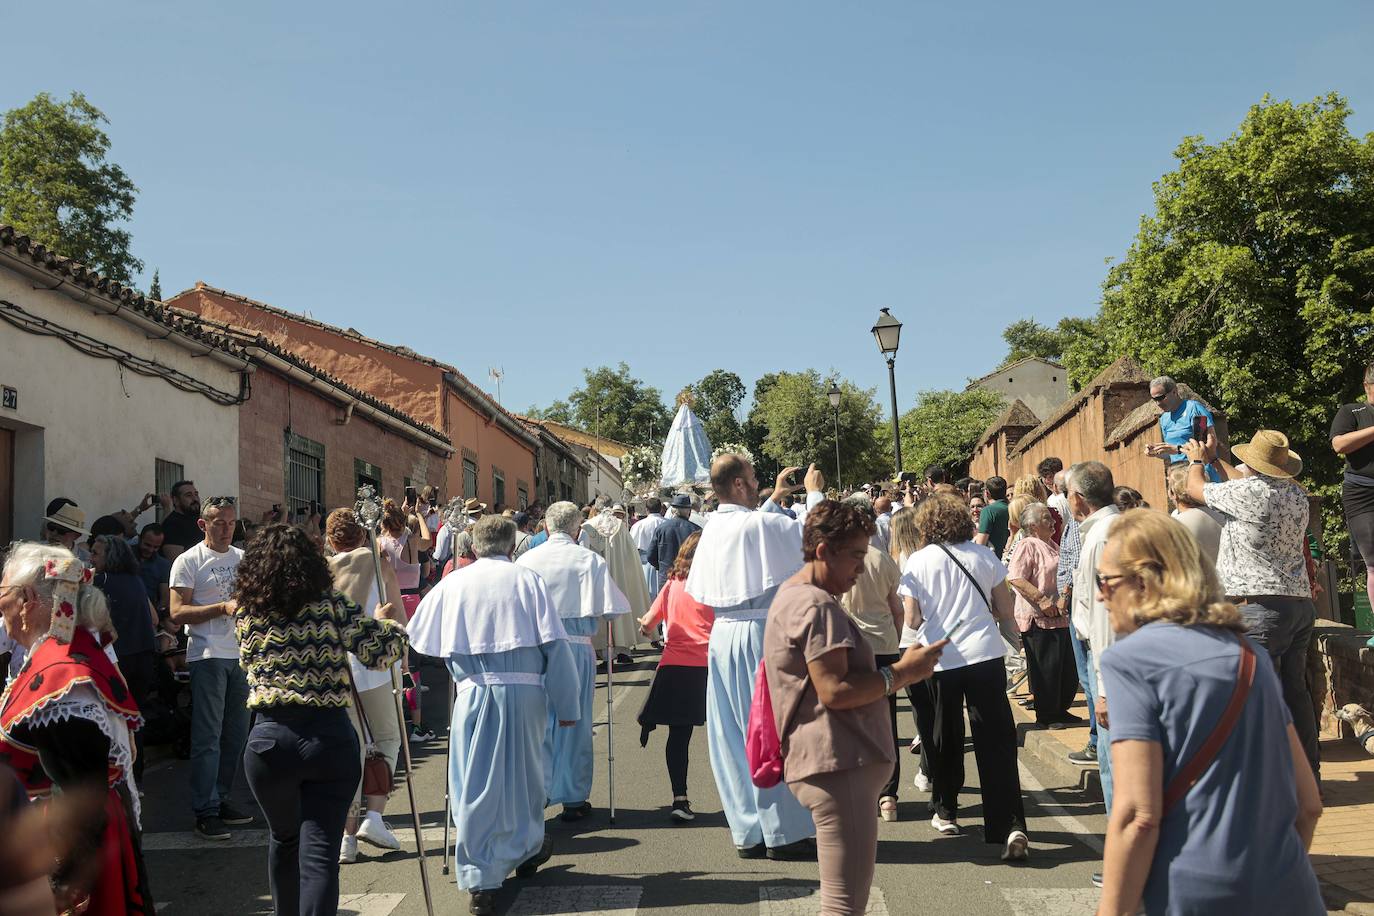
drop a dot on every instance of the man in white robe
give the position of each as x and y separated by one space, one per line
743 556
499 634
583 594
609 537
642 533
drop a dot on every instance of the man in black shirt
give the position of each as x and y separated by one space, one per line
180 529
1352 435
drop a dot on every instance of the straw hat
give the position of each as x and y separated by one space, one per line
1268 453
68 516
473 507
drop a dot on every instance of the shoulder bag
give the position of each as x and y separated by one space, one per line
762 743
377 778
1188 775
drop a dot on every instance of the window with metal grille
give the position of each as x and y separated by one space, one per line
469 478
498 488
365 474
165 473
304 475
553 492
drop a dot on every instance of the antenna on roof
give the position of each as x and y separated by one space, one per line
496 374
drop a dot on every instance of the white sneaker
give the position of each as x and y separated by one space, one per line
1017 848
922 781
946 828
348 852
374 830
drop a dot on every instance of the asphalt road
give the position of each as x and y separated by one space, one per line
642 862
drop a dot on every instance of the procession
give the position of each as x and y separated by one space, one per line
946 485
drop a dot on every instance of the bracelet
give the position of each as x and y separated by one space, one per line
889 678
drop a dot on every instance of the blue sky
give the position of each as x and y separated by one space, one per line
689 186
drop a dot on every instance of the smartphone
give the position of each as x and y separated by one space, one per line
1200 428
411 496
949 633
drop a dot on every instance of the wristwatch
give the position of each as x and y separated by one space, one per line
889 678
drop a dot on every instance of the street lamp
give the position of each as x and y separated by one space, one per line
835 403
887 331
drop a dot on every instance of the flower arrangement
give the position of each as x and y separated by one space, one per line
734 448
640 469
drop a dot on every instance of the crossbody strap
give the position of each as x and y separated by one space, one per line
964 569
353 685
1192 771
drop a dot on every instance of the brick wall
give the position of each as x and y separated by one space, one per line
278 403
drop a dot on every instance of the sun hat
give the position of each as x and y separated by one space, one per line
680 501
473 507
1268 453
68 516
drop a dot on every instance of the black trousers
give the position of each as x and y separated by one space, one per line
1053 674
303 764
140 673
922 698
983 687
675 755
890 788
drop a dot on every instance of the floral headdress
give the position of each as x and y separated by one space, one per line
68 575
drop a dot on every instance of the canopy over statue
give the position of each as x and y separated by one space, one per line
687 453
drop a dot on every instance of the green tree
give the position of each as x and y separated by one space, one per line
755 429
1253 279
716 397
57 187
617 403
155 289
1028 337
944 426
794 410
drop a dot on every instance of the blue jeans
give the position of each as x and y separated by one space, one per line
303 765
219 728
1104 738
1080 660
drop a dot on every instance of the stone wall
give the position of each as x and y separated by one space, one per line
1340 670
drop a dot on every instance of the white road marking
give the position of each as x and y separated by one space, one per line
1081 831
1045 901
369 904
608 899
801 900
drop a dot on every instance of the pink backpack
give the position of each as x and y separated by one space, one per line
762 748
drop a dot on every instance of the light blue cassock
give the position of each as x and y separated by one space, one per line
500 716
583 593
747 555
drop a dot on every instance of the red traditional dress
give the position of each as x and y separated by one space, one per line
65 720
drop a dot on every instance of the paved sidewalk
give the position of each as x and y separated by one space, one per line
1343 850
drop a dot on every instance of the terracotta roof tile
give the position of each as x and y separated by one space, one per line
1016 414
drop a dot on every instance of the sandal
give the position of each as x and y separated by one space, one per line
887 807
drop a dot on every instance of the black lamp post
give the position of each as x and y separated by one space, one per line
887 331
835 403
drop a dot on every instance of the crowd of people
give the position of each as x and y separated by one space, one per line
794 611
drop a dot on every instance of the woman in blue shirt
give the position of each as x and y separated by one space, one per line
1237 840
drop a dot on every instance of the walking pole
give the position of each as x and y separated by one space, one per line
610 716
369 512
448 742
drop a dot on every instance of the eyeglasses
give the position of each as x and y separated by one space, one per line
1106 584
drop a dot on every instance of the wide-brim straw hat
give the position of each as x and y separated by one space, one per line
1268 453
69 517
473 507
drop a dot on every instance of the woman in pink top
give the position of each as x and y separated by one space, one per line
1043 627
677 698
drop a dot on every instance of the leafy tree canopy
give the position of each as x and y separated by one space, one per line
57 187
1028 337
715 400
796 425
620 405
944 426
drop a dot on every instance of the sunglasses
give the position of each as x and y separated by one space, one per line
1158 397
1107 584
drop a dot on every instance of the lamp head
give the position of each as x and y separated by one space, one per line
835 395
887 331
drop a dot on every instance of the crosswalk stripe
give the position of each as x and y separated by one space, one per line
801 900
369 904
608 899
1052 901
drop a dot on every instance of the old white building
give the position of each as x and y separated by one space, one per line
106 394
1040 384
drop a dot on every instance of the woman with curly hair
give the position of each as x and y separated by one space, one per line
830 701
302 757
1196 826
954 589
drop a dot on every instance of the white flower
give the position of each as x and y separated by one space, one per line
733 448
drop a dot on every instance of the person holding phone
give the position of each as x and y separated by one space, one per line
1180 421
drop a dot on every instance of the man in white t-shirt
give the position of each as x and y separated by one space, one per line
202 587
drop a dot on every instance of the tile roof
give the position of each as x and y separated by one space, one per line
248 339
1016 414
353 334
75 274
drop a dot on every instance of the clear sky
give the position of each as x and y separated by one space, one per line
684 186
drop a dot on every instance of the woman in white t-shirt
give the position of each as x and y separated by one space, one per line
955 589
